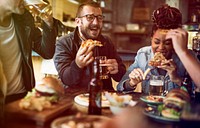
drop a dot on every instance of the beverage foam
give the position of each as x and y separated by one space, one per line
156 83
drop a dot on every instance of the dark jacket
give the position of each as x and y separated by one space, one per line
70 74
31 38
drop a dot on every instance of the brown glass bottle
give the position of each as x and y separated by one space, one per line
95 90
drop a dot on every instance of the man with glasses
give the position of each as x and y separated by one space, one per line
72 61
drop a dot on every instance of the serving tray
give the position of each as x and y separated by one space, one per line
13 110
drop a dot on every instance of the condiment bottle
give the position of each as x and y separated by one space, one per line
95 90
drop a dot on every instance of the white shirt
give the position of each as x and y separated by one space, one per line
10 55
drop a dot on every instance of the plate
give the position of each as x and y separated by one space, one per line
83 99
82 121
156 115
155 100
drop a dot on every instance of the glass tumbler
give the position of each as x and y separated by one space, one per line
103 67
156 86
38 8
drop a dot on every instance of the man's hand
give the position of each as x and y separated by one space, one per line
179 39
84 56
112 66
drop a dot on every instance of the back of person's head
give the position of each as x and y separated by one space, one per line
166 17
90 3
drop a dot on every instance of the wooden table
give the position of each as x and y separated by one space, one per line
14 122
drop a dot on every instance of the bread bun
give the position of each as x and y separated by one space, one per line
174 103
180 93
50 85
167 113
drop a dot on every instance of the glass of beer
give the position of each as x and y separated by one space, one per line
103 67
156 86
38 8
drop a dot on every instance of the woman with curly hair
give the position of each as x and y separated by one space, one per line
164 19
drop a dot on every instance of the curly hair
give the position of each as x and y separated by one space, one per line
167 17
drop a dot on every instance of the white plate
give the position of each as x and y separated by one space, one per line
83 99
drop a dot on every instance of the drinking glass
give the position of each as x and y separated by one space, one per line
156 86
38 8
103 67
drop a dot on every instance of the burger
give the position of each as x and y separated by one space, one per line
50 88
46 93
174 103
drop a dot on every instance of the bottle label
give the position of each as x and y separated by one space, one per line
98 100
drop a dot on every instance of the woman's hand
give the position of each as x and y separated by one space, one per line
136 76
170 67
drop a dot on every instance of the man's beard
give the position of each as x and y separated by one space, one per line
86 33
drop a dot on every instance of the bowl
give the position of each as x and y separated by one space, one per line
116 110
118 100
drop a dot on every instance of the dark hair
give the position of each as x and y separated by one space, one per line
166 17
90 3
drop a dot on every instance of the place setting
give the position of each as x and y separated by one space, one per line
156 101
170 109
157 91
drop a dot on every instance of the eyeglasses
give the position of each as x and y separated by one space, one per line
91 17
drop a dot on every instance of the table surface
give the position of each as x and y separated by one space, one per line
13 122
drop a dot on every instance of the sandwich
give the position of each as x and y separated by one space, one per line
157 59
90 42
174 103
46 93
50 88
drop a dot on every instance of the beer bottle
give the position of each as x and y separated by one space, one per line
95 90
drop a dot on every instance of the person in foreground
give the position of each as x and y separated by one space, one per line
72 60
165 18
191 64
19 37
